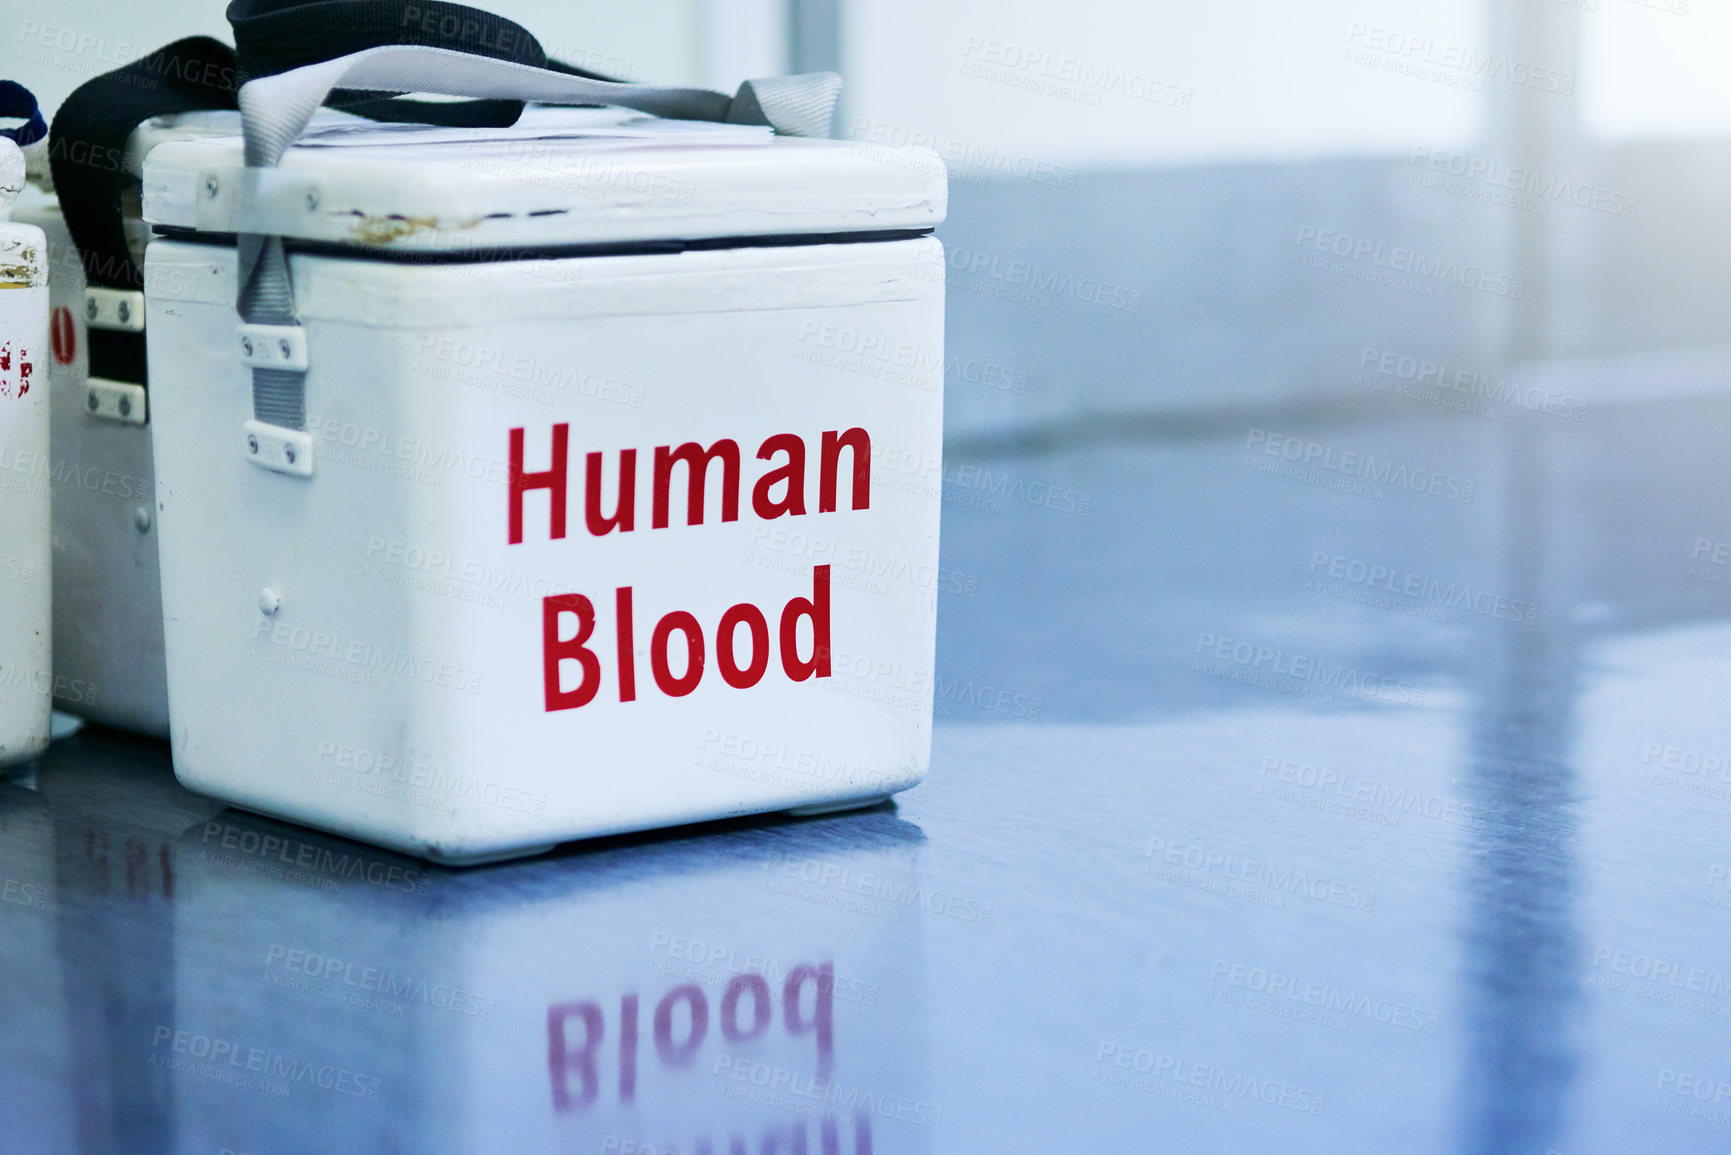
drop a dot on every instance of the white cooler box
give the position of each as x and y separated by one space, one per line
108 660
433 618
26 677
108 615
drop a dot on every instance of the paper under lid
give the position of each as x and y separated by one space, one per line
559 177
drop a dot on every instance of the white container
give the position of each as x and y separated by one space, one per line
26 677
108 660
355 638
108 608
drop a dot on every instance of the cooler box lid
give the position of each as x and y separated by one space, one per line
560 176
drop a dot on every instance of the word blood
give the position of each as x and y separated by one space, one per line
741 675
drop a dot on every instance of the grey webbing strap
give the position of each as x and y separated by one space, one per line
276 109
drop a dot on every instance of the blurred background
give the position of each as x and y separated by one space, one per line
1163 210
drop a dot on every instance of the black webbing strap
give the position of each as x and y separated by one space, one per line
87 155
273 36
87 147
19 103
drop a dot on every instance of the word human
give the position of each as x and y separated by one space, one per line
779 492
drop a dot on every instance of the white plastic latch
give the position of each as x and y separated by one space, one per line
116 401
273 346
283 450
121 310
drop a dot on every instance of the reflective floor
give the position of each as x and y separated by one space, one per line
1356 782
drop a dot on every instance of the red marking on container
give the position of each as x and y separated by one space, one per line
65 333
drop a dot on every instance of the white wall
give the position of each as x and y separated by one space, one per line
1262 79
1655 68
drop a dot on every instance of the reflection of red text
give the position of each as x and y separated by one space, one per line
577 1030
794 1136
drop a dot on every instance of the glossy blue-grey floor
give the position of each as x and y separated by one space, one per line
1264 815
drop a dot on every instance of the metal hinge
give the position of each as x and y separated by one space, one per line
273 346
272 447
119 310
116 401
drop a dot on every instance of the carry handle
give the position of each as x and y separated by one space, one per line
275 110
275 36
